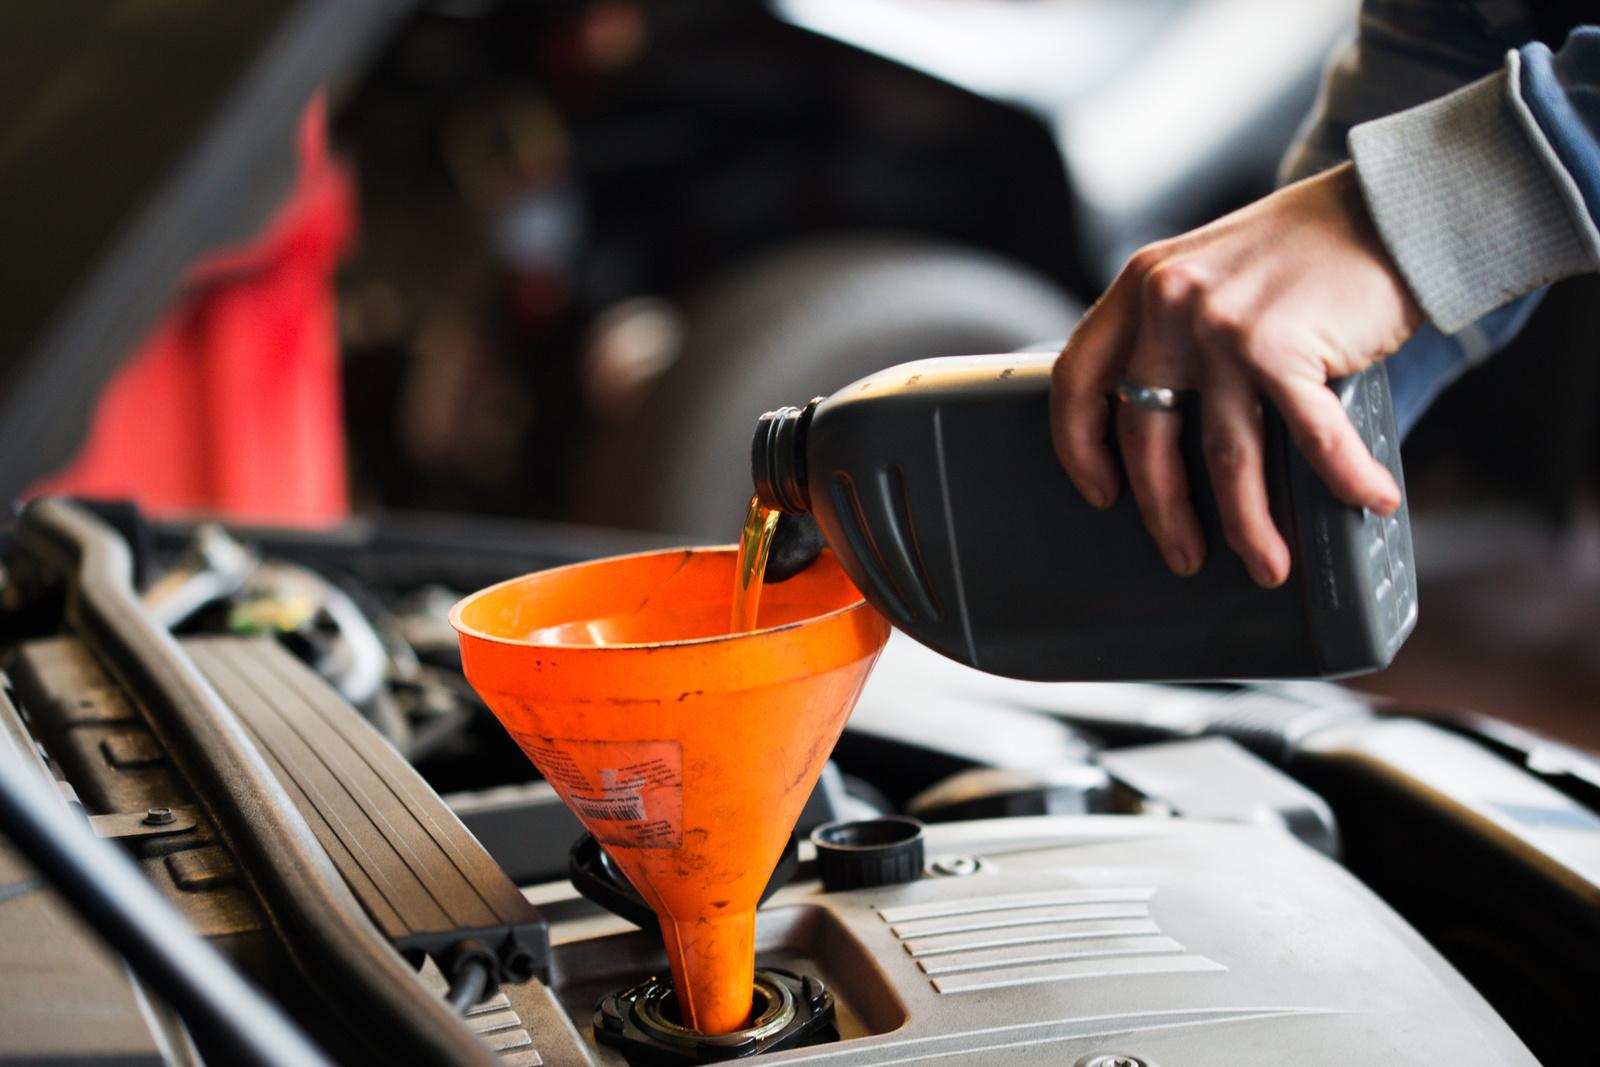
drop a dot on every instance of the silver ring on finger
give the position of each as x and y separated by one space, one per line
1148 397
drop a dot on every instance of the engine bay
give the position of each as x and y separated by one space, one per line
1166 874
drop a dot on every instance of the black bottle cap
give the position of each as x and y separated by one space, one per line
778 458
856 855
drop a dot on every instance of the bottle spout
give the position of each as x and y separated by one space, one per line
778 458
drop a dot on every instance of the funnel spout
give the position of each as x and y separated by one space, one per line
713 969
686 751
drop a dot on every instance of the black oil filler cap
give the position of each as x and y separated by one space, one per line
869 852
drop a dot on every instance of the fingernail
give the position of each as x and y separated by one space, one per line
1095 496
1261 573
1178 560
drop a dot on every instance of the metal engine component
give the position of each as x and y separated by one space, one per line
788 1011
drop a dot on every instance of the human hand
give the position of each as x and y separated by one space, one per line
1270 301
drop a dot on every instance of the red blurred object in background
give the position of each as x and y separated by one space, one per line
232 407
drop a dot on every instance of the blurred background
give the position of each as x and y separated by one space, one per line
550 259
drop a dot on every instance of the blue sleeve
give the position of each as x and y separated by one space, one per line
1430 361
1562 94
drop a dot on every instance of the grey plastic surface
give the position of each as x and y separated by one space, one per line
1176 941
419 874
1213 778
936 484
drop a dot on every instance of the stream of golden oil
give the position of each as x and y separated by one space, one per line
755 541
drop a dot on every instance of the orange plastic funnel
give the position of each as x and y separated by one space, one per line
687 752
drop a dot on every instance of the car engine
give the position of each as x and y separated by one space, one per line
1112 874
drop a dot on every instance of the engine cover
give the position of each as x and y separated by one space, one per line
1164 941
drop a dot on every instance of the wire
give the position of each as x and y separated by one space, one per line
470 984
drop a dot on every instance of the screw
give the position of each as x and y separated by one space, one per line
955 866
159 817
1111 1059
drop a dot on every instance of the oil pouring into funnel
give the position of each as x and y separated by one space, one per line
688 752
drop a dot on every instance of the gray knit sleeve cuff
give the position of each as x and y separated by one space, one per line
1471 202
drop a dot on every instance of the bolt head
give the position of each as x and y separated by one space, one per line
1112 1059
955 866
159 817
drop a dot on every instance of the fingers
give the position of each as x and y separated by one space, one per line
1163 354
1325 436
1160 485
1083 377
1079 422
1232 443
1261 305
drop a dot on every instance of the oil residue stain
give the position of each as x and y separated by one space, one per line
755 541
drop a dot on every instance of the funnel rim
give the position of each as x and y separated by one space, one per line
467 630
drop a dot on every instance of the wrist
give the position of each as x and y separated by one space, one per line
1364 233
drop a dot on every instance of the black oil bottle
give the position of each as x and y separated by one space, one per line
936 485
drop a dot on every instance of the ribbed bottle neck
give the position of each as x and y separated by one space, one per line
778 458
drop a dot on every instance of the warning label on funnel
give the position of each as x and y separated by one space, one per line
628 793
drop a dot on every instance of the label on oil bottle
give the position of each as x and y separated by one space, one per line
628 793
